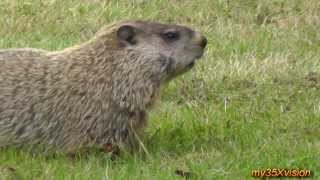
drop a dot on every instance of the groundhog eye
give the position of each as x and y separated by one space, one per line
171 35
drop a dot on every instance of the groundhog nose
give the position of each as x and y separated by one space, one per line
203 42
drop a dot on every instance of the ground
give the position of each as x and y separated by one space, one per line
252 102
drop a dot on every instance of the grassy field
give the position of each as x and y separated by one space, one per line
252 102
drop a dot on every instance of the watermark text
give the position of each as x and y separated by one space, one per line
278 172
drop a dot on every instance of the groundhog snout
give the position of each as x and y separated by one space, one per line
201 40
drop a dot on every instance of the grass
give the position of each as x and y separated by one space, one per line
252 102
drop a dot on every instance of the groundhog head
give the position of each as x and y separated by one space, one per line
169 50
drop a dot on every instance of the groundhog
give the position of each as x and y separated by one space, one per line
95 93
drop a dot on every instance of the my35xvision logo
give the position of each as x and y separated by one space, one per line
278 172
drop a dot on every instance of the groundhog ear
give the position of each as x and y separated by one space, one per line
126 33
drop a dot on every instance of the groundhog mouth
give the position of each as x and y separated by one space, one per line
189 66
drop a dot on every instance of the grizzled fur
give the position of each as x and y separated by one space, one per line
94 93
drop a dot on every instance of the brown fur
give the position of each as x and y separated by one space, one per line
96 93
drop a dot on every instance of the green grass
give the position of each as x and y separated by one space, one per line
252 102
